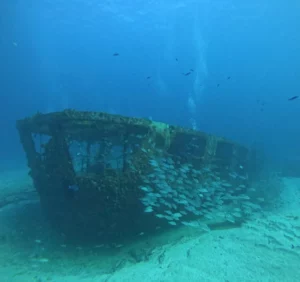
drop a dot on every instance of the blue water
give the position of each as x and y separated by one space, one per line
58 54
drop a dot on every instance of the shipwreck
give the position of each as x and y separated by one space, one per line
103 176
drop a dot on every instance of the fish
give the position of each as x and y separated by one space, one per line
228 77
261 103
148 77
191 70
187 73
293 98
176 59
172 223
116 54
74 188
148 209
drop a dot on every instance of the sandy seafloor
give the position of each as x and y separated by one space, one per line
266 248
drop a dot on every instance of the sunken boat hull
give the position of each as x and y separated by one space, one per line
102 176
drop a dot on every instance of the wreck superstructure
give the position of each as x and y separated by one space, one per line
102 176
